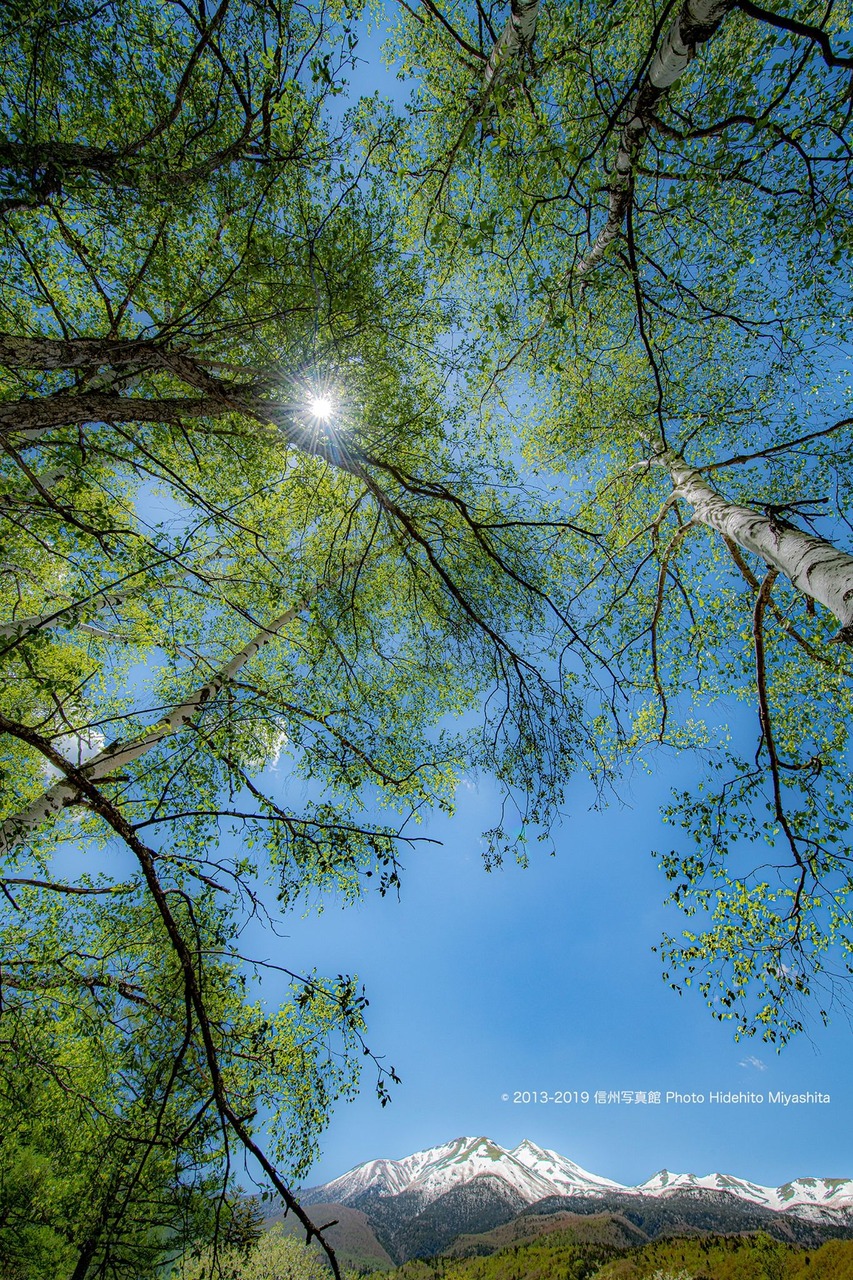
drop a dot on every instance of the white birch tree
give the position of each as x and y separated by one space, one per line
652 239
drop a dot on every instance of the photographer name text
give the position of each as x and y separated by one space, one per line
665 1097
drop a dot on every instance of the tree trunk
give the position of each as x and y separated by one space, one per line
23 422
29 418
52 354
66 615
696 22
70 615
84 1260
814 566
516 38
17 352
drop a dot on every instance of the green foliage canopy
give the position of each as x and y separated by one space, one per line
243 641
638 278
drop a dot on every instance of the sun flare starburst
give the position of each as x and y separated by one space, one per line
320 407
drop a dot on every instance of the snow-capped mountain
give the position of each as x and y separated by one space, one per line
803 1196
467 1189
428 1174
531 1174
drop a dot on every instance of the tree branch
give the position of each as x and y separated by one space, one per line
815 34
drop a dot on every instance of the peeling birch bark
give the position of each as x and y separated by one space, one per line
18 352
117 755
815 567
516 38
696 23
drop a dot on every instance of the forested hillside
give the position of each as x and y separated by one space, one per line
562 1257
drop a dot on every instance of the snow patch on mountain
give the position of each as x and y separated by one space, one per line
431 1173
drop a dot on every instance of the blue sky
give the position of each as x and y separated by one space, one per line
543 979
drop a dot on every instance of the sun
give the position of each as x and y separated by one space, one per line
320 407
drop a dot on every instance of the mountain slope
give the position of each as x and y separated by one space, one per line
353 1237
608 1229
697 1212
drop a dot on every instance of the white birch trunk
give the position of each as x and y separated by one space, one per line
813 565
117 755
57 617
516 37
695 23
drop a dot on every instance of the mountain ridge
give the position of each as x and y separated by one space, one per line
535 1173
